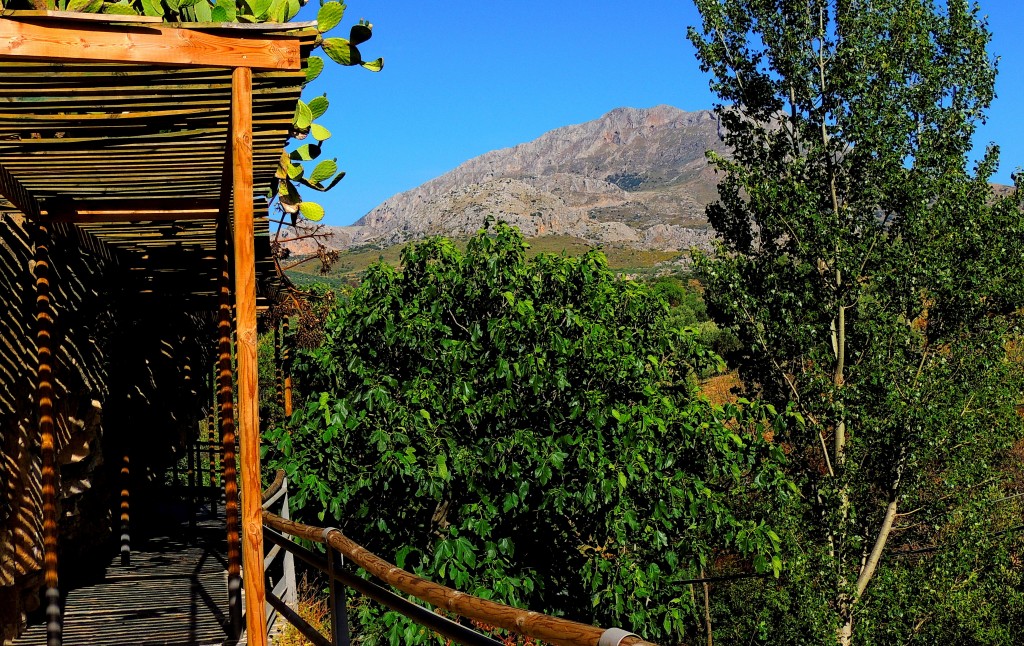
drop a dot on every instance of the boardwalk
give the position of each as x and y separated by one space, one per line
172 594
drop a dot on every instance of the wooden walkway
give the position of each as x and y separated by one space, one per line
173 594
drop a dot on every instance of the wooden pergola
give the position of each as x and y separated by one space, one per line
158 141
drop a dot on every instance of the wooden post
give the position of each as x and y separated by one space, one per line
286 367
47 438
245 329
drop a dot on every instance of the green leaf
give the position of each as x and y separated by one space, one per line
323 171
374 66
152 8
288 197
259 7
622 480
360 33
442 466
311 211
228 9
291 9
341 51
277 10
329 16
203 10
425 414
319 132
314 65
318 106
85 6
303 116
317 186
305 152
119 8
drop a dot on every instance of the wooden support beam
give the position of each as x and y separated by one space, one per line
226 401
47 436
78 41
17 194
99 210
243 244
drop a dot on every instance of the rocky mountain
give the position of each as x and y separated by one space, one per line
635 177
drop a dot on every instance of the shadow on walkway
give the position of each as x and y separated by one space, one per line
174 593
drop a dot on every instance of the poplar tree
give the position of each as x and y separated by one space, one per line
872 276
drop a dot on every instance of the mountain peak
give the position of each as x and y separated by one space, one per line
634 176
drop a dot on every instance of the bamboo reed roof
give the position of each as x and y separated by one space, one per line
137 155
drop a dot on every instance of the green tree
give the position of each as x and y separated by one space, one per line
524 430
871 277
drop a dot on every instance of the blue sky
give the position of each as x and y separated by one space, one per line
464 77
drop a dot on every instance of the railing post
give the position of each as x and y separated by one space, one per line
174 468
291 596
190 461
339 613
211 454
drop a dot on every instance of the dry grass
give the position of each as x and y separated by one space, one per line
312 608
722 389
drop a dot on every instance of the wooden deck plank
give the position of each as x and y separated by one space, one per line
172 594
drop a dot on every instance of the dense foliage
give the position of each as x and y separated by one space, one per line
872 279
525 430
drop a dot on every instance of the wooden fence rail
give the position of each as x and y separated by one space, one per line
279 562
553 630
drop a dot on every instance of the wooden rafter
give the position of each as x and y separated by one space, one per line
99 210
17 194
85 41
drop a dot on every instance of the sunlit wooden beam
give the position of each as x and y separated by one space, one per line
243 244
82 41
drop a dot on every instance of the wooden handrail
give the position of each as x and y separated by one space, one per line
553 630
274 487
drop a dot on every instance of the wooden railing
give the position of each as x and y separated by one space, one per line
552 630
195 475
279 563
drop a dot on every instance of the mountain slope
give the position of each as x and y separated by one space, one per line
636 177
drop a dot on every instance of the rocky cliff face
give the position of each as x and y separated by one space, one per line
637 177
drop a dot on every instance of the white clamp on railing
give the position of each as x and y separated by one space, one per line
614 637
328 530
